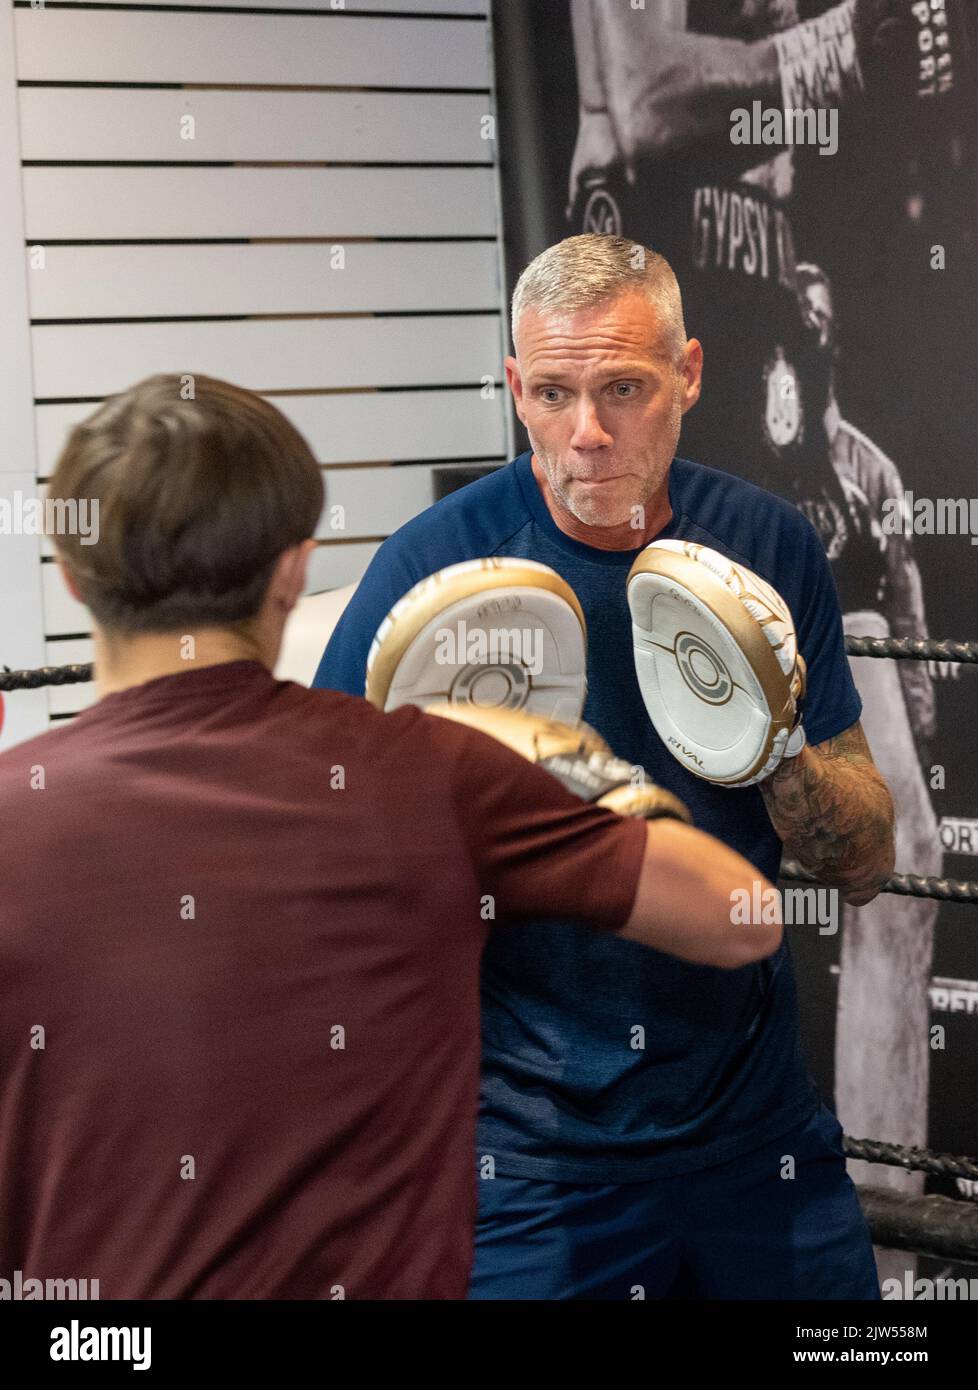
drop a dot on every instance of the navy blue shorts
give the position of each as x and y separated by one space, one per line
739 1230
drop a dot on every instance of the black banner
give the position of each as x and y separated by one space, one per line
311 1342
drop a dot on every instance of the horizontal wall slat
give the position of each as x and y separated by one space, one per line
330 567
333 566
113 203
71 699
375 501
57 45
267 355
371 502
358 127
372 426
446 7
73 652
62 613
396 425
87 282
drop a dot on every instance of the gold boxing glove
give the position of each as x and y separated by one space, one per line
577 756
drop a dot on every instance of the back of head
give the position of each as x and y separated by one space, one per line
200 486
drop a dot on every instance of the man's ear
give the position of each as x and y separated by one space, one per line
691 371
303 555
289 575
69 580
515 383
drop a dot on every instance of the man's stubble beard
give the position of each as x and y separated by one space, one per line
591 512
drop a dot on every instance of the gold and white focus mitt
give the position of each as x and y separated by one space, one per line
717 661
499 633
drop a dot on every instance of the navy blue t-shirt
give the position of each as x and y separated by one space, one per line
605 1061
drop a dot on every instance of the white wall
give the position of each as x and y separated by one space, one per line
303 203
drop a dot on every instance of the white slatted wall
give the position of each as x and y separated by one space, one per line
329 237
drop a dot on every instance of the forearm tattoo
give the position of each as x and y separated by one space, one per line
834 814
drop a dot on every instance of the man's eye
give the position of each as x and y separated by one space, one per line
624 388
550 393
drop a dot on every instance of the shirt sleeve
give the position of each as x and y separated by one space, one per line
832 702
538 849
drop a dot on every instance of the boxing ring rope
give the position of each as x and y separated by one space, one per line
938 1227
951 890
895 648
914 1160
45 675
913 649
935 1226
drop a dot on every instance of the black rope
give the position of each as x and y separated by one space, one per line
912 649
916 1160
952 890
942 1227
46 675
897 648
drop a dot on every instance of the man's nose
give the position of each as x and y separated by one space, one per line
589 433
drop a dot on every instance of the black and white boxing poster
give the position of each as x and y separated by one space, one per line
828 266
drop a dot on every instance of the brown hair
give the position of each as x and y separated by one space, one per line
200 487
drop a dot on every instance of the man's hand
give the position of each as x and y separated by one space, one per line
834 814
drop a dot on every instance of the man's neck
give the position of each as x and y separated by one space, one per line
622 537
122 662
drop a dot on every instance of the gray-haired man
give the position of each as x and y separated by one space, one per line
653 1127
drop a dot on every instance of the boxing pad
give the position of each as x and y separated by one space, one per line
717 661
498 633
577 756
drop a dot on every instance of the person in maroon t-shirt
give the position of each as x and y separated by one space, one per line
240 925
